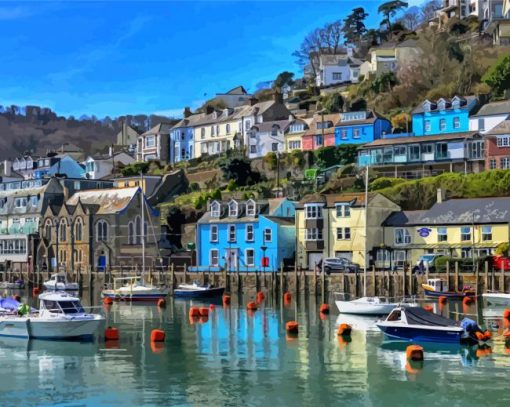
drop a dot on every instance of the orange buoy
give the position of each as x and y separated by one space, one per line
467 301
344 330
226 300
487 335
157 335
111 334
428 308
480 336
414 352
161 303
204 311
194 312
292 327
442 300
36 291
506 314
260 296
287 297
324 309
212 307
107 301
252 306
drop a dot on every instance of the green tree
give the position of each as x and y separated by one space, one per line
283 78
359 105
390 9
333 103
238 168
135 169
354 26
498 76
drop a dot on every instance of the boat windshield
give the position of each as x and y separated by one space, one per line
395 316
71 307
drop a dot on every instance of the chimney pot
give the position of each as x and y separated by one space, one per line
187 112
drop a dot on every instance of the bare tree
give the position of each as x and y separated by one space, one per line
411 19
429 9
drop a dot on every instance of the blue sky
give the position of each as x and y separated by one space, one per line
113 58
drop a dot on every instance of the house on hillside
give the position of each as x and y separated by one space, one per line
235 97
360 127
63 165
268 137
321 132
489 116
497 145
294 134
498 24
101 166
127 137
182 137
443 116
337 68
390 56
246 235
154 144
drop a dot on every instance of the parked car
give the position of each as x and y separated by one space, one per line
338 265
428 261
499 262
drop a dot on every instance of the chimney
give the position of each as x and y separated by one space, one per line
253 101
278 97
7 168
209 109
187 112
440 195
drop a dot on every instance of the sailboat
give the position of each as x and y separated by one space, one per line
136 288
366 305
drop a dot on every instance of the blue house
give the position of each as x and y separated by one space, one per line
59 165
246 236
182 138
360 128
444 116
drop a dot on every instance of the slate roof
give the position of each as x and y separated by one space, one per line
468 211
356 199
501 128
161 128
109 201
333 118
266 127
281 221
371 118
404 218
420 139
470 103
494 108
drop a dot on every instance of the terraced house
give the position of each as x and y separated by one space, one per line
321 132
360 127
333 225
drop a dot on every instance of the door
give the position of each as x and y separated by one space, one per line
313 260
231 259
101 263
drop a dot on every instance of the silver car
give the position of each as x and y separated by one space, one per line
339 265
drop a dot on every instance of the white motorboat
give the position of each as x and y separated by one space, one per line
61 316
366 306
59 282
497 298
134 289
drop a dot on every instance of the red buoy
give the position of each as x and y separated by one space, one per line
157 335
428 308
344 330
194 312
324 309
107 301
252 306
506 314
287 297
260 296
226 300
36 291
442 300
467 301
414 353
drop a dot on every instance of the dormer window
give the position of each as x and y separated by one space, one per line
215 209
233 209
456 102
441 104
251 208
215 115
274 131
427 106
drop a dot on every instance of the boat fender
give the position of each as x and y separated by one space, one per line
204 312
111 334
324 309
36 291
157 335
260 296
226 300
442 299
487 335
506 314
467 301
414 353
252 306
292 327
161 303
344 330
287 297
194 312
428 308
107 301
479 336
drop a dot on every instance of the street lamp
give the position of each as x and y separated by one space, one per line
263 248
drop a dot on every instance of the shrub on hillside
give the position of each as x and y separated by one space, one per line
385 182
135 169
498 75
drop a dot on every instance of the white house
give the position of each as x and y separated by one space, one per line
267 137
337 68
489 116
97 167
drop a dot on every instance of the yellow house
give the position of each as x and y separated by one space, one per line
293 135
456 228
148 183
334 226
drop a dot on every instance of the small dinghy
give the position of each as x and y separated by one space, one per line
436 287
196 290
59 282
61 316
134 289
418 325
495 298
13 285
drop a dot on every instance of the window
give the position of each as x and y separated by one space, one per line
63 230
465 233
297 128
337 76
293 145
492 164
427 125
150 141
441 151
503 141
78 230
228 128
212 131
504 163
319 140
20 202
486 233
343 210
442 124
313 234
214 257
231 233
250 257
343 233
274 131
213 233
249 233
131 233
138 230
402 236
47 229
268 235
481 124
427 149
414 153
215 209
442 234
101 231
465 252
274 147
34 200
253 149
251 208
233 209
247 125
313 212
343 134
183 153
355 133
202 133
456 123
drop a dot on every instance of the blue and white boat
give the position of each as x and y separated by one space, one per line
418 325
196 290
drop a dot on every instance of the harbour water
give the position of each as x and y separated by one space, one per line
238 358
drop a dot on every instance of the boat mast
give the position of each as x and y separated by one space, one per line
143 224
366 234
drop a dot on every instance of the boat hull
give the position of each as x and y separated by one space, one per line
497 299
421 334
209 293
448 294
119 295
356 308
62 287
43 328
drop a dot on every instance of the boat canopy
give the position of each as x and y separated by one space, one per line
419 316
